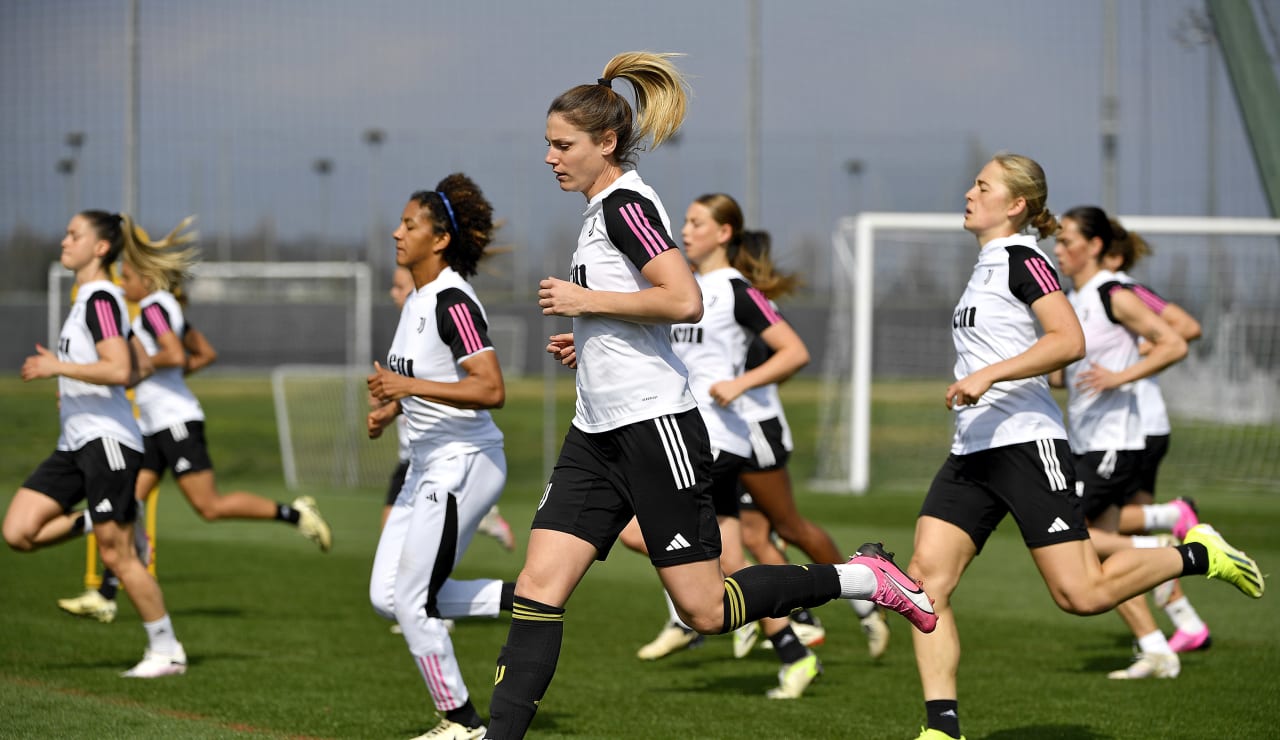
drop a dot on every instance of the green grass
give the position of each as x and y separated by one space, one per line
283 642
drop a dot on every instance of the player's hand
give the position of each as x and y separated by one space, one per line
1096 379
724 392
43 364
562 348
966 391
562 298
387 386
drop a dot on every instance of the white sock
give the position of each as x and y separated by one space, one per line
1154 643
675 618
161 637
1184 616
1141 541
1160 516
857 581
862 607
88 522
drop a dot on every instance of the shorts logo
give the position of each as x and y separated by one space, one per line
103 507
678 543
182 466
1058 525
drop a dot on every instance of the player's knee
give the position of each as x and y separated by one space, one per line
708 622
208 510
19 541
1081 602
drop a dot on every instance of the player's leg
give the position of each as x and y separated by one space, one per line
39 513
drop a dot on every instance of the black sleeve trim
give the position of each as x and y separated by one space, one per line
102 316
634 226
461 323
751 309
1104 292
1031 277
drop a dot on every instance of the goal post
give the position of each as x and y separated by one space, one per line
902 272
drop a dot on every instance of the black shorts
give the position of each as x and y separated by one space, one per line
658 470
180 448
724 483
103 474
1149 462
1106 479
397 482
768 451
1034 481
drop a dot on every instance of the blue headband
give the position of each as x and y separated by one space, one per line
448 208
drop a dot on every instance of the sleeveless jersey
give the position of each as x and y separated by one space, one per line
993 322
164 400
89 411
442 324
1108 420
715 349
1151 406
627 371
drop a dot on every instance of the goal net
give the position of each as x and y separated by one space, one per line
890 356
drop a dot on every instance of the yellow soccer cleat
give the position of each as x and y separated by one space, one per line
794 678
311 524
1226 563
90 604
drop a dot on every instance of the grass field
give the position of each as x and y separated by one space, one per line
283 643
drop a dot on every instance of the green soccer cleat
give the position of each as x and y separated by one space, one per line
90 604
311 524
794 678
744 638
931 734
1226 563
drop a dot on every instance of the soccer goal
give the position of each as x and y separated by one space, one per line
890 334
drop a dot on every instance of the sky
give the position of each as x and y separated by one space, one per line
240 98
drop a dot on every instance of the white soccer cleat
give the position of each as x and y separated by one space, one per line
812 635
744 638
311 524
1150 665
155 665
876 628
673 637
448 730
493 525
90 604
794 678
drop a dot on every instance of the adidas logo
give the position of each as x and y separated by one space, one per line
678 543
949 713
182 466
103 507
1058 525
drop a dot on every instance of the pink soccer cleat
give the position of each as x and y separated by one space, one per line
895 589
1186 642
1187 519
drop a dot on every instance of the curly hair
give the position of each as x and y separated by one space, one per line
459 208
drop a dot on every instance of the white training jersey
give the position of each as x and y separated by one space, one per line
1108 420
993 322
1151 405
89 411
627 371
164 400
404 450
715 349
441 325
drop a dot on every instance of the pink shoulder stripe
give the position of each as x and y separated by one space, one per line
106 321
466 328
770 313
633 214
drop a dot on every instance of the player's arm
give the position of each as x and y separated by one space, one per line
200 353
672 298
1166 346
114 364
788 352
380 417
140 365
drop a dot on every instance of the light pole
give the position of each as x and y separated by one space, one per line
70 166
374 137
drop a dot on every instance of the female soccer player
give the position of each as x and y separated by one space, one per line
1105 424
637 446
99 450
442 374
1009 452
152 275
1142 513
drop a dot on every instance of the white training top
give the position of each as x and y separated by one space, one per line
1108 420
627 371
1151 405
164 400
715 349
89 411
441 325
993 322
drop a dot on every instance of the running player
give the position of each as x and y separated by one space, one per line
441 374
1142 513
637 445
1009 452
1105 425
99 450
152 275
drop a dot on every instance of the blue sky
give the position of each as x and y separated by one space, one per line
239 97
